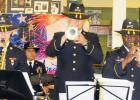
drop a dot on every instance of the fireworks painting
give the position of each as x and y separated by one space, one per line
38 29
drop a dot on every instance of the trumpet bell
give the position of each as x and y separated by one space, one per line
71 33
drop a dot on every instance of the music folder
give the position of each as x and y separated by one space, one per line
15 85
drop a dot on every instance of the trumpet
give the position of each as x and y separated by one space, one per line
137 54
71 33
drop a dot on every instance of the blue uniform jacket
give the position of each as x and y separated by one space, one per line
113 69
15 59
74 62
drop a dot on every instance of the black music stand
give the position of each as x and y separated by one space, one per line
14 86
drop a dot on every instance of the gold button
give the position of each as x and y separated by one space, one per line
132 75
74 47
73 69
132 69
74 54
74 62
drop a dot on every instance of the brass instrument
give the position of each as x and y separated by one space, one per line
71 33
138 55
2 57
137 44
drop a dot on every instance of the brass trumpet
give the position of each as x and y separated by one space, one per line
137 54
71 33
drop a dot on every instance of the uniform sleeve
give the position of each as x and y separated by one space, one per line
113 68
94 49
54 47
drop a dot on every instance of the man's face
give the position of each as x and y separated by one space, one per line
128 40
76 23
5 36
30 54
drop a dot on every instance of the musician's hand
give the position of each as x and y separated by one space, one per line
63 39
130 56
81 40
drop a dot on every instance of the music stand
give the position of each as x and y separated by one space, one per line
79 90
14 86
101 89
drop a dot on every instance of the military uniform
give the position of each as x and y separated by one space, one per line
33 71
113 69
74 61
36 65
113 62
15 59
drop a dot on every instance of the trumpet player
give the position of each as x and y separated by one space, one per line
11 57
122 63
75 49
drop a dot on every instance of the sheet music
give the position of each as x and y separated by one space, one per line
26 76
121 88
80 90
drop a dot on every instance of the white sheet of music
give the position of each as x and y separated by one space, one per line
80 90
116 89
26 76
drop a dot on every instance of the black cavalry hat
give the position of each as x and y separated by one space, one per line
130 27
5 24
76 11
30 45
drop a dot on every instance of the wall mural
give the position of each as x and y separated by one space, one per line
39 29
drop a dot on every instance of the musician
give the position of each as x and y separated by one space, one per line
75 57
121 63
11 57
34 67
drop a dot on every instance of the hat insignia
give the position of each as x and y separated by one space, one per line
77 9
2 20
130 22
129 26
31 45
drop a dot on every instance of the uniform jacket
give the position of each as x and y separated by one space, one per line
74 62
33 72
35 66
15 59
113 69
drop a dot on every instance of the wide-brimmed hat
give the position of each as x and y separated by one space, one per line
5 24
130 27
30 45
76 11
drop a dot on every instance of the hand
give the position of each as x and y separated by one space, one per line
63 39
131 55
81 40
